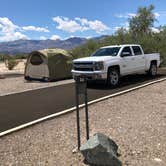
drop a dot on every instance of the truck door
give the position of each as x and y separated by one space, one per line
140 59
127 61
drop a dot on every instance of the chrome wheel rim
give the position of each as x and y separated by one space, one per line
114 77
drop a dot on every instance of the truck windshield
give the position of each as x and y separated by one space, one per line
113 51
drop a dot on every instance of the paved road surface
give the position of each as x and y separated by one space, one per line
17 109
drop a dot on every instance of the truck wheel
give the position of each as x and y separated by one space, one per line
153 70
46 79
113 77
27 78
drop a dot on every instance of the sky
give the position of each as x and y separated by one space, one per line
62 19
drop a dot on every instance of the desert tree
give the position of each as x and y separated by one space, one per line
143 21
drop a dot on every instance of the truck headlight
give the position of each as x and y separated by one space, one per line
99 66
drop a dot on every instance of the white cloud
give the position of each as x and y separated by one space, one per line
9 31
83 21
117 28
7 25
126 15
88 37
160 14
130 15
119 16
98 26
13 36
124 25
155 30
156 14
79 24
67 25
43 38
33 28
95 25
72 36
55 37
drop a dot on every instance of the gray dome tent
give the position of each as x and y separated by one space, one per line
48 64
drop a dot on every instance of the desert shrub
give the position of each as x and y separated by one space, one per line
11 63
1 57
20 56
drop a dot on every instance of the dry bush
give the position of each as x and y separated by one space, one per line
11 63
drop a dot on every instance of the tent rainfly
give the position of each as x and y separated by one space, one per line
48 64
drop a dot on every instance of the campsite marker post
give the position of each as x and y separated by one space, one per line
81 88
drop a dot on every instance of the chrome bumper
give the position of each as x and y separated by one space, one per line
90 75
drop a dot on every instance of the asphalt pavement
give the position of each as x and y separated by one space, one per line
17 109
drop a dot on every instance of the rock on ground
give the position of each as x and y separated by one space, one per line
101 150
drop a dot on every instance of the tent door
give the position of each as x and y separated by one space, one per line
37 67
38 71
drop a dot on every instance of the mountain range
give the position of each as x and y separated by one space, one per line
27 46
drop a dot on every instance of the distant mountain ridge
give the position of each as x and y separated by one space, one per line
27 46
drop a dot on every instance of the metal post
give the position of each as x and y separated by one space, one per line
81 88
86 112
77 115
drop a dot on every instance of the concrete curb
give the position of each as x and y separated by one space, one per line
73 108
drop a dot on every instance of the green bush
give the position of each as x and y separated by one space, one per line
11 63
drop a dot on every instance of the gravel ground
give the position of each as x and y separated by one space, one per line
136 121
18 84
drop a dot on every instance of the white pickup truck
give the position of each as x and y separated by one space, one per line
112 62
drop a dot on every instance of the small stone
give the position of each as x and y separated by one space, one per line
157 160
75 150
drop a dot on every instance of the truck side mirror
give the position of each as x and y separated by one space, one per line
124 54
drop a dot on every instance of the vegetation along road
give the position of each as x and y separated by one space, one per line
17 109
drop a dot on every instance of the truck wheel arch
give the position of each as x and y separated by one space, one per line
114 67
153 61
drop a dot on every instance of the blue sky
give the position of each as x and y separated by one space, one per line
61 19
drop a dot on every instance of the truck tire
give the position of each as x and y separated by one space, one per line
113 77
153 69
27 78
46 79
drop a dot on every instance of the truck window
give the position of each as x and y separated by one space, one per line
137 50
113 51
126 51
